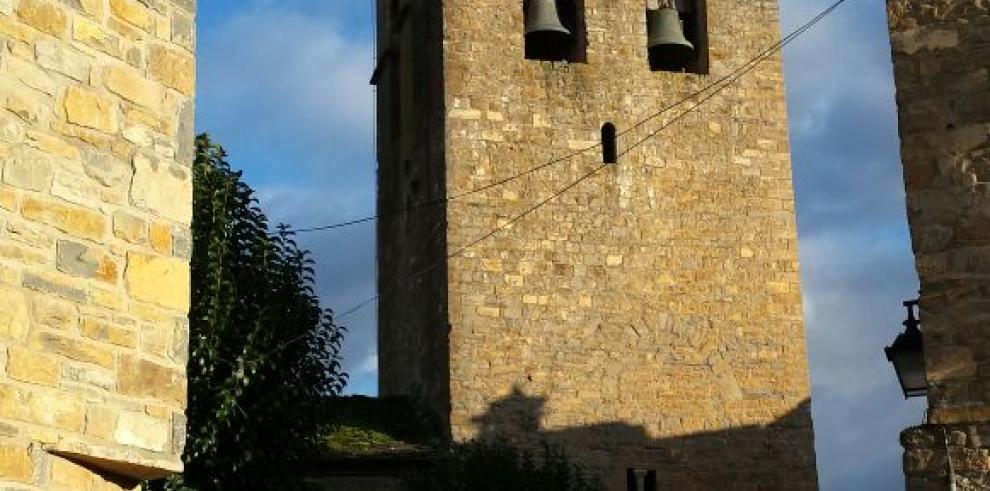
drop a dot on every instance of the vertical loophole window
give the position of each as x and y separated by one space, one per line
610 148
677 35
555 30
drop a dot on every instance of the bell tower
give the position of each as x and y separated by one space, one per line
647 318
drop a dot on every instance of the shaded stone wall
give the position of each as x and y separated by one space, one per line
942 70
658 300
96 142
926 447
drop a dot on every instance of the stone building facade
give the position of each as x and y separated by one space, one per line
647 320
941 53
96 141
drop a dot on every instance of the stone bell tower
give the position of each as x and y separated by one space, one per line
649 319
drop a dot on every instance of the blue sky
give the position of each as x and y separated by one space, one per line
283 85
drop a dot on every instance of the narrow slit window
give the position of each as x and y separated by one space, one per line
641 480
677 35
555 30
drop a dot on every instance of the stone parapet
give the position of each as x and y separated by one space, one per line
929 448
96 142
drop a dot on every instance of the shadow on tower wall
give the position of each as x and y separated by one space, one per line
776 456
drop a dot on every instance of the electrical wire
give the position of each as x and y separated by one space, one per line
729 78
481 239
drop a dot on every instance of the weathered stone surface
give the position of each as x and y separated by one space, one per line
173 68
162 187
14 318
140 430
33 366
43 16
59 58
131 85
129 227
80 260
102 330
16 463
89 109
74 349
159 280
143 378
73 220
54 285
161 238
68 475
132 12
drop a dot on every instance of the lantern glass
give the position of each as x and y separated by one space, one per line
910 368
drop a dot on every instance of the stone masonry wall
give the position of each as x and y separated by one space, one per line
926 447
649 318
942 68
96 141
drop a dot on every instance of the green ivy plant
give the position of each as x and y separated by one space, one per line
264 356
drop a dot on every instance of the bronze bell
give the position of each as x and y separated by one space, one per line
668 48
542 18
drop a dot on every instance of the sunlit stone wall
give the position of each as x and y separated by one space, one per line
650 317
96 142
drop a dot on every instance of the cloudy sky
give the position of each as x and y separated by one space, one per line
283 85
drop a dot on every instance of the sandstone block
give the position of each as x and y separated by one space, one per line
101 421
132 12
26 104
100 378
91 110
101 330
42 406
159 280
33 366
16 463
96 36
67 61
129 227
184 32
43 16
31 75
53 145
74 349
143 378
29 170
8 198
161 238
66 475
77 259
140 430
54 313
131 85
173 69
14 315
53 284
72 220
163 188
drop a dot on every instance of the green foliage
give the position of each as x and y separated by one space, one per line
364 426
264 356
497 466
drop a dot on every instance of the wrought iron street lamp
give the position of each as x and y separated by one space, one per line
908 356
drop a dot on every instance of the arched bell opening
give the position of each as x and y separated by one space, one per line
677 35
555 30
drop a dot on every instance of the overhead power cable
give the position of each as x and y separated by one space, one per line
719 84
